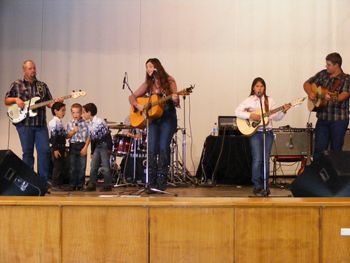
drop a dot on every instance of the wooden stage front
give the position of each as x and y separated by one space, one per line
202 224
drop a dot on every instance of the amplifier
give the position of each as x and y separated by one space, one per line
228 125
292 142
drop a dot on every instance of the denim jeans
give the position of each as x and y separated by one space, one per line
160 134
100 158
77 165
257 145
329 133
38 136
58 168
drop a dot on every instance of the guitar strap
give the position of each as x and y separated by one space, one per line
336 85
266 103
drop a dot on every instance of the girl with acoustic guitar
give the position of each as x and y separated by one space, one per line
161 129
249 110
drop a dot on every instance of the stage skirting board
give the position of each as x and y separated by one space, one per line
148 229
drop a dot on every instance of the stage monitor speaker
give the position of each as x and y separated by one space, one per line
346 145
228 125
292 142
327 177
17 178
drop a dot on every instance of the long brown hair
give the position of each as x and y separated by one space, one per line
262 81
162 75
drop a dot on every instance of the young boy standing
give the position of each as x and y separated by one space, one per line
78 135
58 143
101 146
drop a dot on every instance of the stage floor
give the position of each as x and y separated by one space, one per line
180 191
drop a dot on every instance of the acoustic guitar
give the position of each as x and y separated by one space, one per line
152 108
248 127
320 100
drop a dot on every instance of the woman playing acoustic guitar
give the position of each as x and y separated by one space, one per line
161 129
249 109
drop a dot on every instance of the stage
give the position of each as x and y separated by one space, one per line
202 224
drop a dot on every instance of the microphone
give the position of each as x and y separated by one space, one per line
259 94
290 144
124 80
154 74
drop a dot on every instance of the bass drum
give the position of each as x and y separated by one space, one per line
121 144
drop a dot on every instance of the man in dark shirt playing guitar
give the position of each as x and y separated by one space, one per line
333 111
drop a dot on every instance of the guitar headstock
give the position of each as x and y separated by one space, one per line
187 91
76 94
297 101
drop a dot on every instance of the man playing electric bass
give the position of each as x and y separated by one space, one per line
32 130
333 115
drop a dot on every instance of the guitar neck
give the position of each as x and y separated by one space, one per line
44 103
163 99
269 113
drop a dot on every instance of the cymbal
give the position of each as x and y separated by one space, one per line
111 122
119 126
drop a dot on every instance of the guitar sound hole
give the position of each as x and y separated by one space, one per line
255 124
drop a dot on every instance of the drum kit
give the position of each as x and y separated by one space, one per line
128 159
129 146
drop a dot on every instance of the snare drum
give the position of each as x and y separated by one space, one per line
121 144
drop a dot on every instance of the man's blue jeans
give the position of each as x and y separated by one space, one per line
38 136
329 133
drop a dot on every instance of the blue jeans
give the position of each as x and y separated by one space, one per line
329 133
77 165
257 145
160 134
38 136
100 158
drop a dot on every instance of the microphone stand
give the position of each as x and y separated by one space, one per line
264 148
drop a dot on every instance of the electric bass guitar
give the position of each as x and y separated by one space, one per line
320 99
16 114
249 127
152 108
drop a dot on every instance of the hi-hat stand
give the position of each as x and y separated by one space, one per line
176 171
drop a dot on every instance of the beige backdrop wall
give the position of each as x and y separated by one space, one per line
219 45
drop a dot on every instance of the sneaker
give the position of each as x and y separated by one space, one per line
258 191
162 182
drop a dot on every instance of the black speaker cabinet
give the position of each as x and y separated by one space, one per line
346 145
292 142
17 178
327 177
